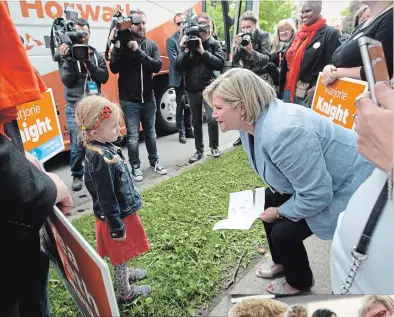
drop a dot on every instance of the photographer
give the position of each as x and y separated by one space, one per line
79 78
252 50
136 61
183 115
198 66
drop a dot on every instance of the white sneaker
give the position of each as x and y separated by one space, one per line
137 174
159 169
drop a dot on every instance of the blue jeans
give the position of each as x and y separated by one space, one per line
76 148
146 114
300 101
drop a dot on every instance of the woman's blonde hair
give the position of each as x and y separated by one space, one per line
88 114
259 307
298 311
373 300
241 88
276 43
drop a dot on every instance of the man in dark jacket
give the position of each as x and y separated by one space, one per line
80 78
198 66
136 62
183 115
255 55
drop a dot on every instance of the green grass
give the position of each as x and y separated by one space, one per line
189 262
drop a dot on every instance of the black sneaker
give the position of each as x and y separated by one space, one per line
77 183
196 157
182 139
238 142
137 174
216 153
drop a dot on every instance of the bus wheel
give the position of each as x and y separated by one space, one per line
166 106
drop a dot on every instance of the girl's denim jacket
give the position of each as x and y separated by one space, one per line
111 187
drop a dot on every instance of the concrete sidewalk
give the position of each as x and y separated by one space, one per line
249 284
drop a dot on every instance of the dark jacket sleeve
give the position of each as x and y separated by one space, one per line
261 56
333 41
236 55
182 61
172 51
115 61
68 74
99 73
216 59
153 62
103 174
27 195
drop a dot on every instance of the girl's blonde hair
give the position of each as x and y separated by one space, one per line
241 88
373 300
276 43
88 114
259 307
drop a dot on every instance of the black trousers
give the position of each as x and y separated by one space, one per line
196 102
285 239
183 115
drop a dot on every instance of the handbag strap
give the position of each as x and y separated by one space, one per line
365 238
359 253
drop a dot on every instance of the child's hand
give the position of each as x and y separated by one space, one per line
122 239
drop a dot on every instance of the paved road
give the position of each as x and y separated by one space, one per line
173 155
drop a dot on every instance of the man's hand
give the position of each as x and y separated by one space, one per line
249 48
374 126
63 199
122 239
32 159
183 43
269 215
329 74
133 45
200 48
64 49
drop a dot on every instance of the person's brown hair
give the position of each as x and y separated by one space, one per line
249 16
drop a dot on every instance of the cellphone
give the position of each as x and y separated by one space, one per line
374 62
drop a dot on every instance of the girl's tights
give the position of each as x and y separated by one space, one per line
121 273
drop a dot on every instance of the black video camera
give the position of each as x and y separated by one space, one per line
122 26
192 29
246 39
64 31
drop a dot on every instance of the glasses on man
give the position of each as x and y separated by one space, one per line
382 313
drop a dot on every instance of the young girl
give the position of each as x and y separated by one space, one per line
116 203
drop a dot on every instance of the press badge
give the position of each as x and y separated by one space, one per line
92 87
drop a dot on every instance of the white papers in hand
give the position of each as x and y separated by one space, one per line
241 212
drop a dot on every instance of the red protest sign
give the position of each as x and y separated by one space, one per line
86 272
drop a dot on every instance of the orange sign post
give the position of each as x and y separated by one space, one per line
336 102
39 127
86 275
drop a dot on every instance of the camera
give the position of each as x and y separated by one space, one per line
64 31
246 38
122 26
192 29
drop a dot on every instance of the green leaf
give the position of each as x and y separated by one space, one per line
149 300
191 311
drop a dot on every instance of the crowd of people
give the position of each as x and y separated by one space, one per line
371 306
322 179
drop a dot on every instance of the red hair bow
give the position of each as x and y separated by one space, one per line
105 113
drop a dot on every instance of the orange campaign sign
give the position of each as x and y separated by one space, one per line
336 101
86 274
39 127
